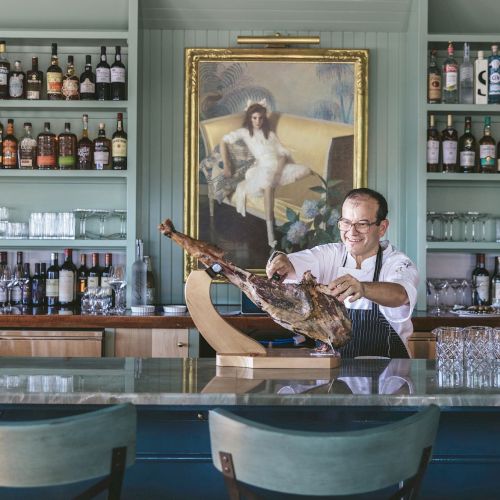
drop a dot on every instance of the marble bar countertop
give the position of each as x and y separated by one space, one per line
199 382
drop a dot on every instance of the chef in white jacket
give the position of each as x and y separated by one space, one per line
376 282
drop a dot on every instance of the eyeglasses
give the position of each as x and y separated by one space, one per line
361 227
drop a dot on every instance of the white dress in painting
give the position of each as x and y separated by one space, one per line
262 175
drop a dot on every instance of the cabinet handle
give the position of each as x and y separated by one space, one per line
180 344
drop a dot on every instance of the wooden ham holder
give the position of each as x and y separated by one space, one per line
233 347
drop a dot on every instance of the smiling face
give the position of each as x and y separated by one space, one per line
257 120
362 246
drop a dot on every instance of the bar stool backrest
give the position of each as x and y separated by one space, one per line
70 449
322 463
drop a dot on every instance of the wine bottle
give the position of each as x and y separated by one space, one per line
26 290
66 158
450 77
93 279
85 148
103 78
433 146
139 277
34 81
480 283
16 294
3 265
4 72
67 280
54 77
467 148
495 285
52 281
87 81
433 80
17 82
38 287
118 77
450 146
27 149
81 278
9 147
106 272
487 149
119 146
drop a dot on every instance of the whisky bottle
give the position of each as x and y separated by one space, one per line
119 146
118 77
102 150
494 76
87 81
9 146
34 81
46 149
85 157
450 146
17 82
433 80
103 78
66 158
54 77
487 150
27 149
467 148
480 283
450 77
4 72
433 144
466 78
70 83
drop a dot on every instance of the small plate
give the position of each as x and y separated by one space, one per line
175 309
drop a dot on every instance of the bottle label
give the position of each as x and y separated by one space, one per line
449 152
466 73
101 158
467 159
432 152
93 281
52 287
434 86
3 295
33 95
16 294
87 87
496 292
4 75
67 161
83 155
9 153
450 80
70 87
494 77
46 161
66 286
117 75
54 83
16 85
102 75
483 288
487 155
119 147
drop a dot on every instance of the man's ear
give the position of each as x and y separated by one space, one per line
383 226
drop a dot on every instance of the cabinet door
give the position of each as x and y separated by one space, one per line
151 343
422 345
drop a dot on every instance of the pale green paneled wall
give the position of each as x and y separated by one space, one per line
161 114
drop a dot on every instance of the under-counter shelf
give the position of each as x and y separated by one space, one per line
462 246
35 244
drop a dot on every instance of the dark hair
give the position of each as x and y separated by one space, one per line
370 193
247 122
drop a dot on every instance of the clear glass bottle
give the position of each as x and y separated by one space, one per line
480 282
450 146
17 82
103 78
494 76
102 150
9 147
34 81
433 80
119 146
85 148
118 77
46 149
150 281
16 292
27 149
466 78
450 77
70 83
139 277
4 72
54 77
66 157
433 146
467 148
487 150
87 81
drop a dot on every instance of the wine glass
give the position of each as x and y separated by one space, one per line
102 215
83 214
122 214
438 285
117 282
456 285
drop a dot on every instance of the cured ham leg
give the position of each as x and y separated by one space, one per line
305 308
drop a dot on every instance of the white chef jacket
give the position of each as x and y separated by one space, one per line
326 264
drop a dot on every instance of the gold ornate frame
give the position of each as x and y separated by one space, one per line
196 56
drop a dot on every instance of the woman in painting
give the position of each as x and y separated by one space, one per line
272 167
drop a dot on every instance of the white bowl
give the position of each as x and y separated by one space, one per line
175 309
143 309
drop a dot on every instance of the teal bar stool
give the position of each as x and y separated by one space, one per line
322 463
70 449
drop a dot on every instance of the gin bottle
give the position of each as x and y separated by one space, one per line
466 76
139 277
494 76
450 77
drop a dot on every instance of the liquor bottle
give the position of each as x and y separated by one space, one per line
495 285
70 83
52 281
26 290
480 283
1 145
103 78
67 280
494 76
17 82
450 77
487 150
119 146
433 80
467 148
9 146
81 278
433 143
46 144
66 158
85 148
3 265
150 281
466 78
27 150
15 293
87 81
118 77
102 150
106 273
38 287
481 79
54 77
34 81
94 272
139 277
450 146
4 72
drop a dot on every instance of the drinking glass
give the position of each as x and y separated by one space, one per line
102 215
83 214
118 283
449 343
433 232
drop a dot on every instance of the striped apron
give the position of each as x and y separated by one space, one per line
372 335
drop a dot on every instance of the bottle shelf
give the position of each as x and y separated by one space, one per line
483 38
67 174
475 109
59 244
64 37
46 105
440 177
462 246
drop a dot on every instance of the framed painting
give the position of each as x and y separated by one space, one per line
274 138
